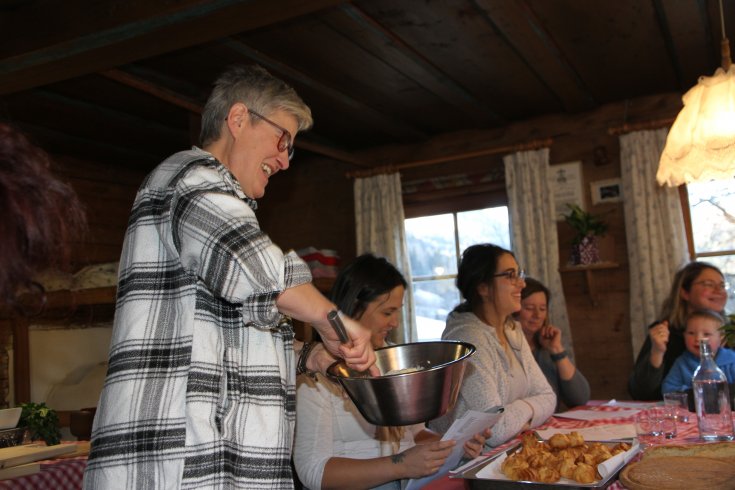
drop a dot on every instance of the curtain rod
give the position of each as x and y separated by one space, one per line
383 169
640 126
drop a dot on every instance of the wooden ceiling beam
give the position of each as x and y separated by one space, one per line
56 141
413 64
194 107
527 36
392 125
687 31
153 89
48 41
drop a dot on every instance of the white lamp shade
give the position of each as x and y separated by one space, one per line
701 143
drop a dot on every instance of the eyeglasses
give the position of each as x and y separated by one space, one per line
285 142
513 275
714 286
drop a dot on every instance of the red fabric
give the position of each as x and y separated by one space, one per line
320 258
687 433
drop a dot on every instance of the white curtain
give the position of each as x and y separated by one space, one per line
380 230
533 227
654 227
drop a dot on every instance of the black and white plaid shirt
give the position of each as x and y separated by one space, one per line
200 384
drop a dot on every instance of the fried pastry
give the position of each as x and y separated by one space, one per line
564 455
585 473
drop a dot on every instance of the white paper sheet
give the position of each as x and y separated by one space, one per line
600 433
596 414
639 405
462 430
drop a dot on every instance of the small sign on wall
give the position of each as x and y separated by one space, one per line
604 191
566 187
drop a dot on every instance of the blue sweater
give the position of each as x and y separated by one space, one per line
680 375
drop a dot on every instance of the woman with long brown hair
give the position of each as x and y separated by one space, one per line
335 446
503 372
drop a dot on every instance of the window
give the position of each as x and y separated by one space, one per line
712 214
435 244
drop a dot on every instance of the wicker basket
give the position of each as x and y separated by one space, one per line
12 437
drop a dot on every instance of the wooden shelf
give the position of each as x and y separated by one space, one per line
588 269
584 267
65 303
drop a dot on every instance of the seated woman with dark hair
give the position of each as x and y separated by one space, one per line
335 446
698 285
570 386
503 371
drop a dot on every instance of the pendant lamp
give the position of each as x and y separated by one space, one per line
701 143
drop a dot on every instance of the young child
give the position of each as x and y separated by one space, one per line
700 324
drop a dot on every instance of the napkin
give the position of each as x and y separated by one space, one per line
593 415
606 468
609 432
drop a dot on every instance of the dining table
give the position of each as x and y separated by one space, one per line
67 473
619 413
55 474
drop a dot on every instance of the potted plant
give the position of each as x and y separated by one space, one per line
587 227
41 421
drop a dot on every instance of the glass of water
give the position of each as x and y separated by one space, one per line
679 401
655 425
648 428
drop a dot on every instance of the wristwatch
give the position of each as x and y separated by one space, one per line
558 357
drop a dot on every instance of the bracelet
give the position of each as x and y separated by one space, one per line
303 356
558 357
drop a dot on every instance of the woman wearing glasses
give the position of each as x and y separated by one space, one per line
699 285
570 386
503 372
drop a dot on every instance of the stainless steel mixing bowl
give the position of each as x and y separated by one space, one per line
411 397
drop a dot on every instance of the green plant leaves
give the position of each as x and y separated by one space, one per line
584 223
728 330
41 421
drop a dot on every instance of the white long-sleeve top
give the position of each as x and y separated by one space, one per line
490 380
328 424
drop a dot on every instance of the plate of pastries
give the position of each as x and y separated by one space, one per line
565 460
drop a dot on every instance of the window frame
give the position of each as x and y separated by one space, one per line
417 280
689 231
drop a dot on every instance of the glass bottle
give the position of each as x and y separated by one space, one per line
711 398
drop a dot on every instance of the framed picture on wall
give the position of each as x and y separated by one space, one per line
604 191
566 185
